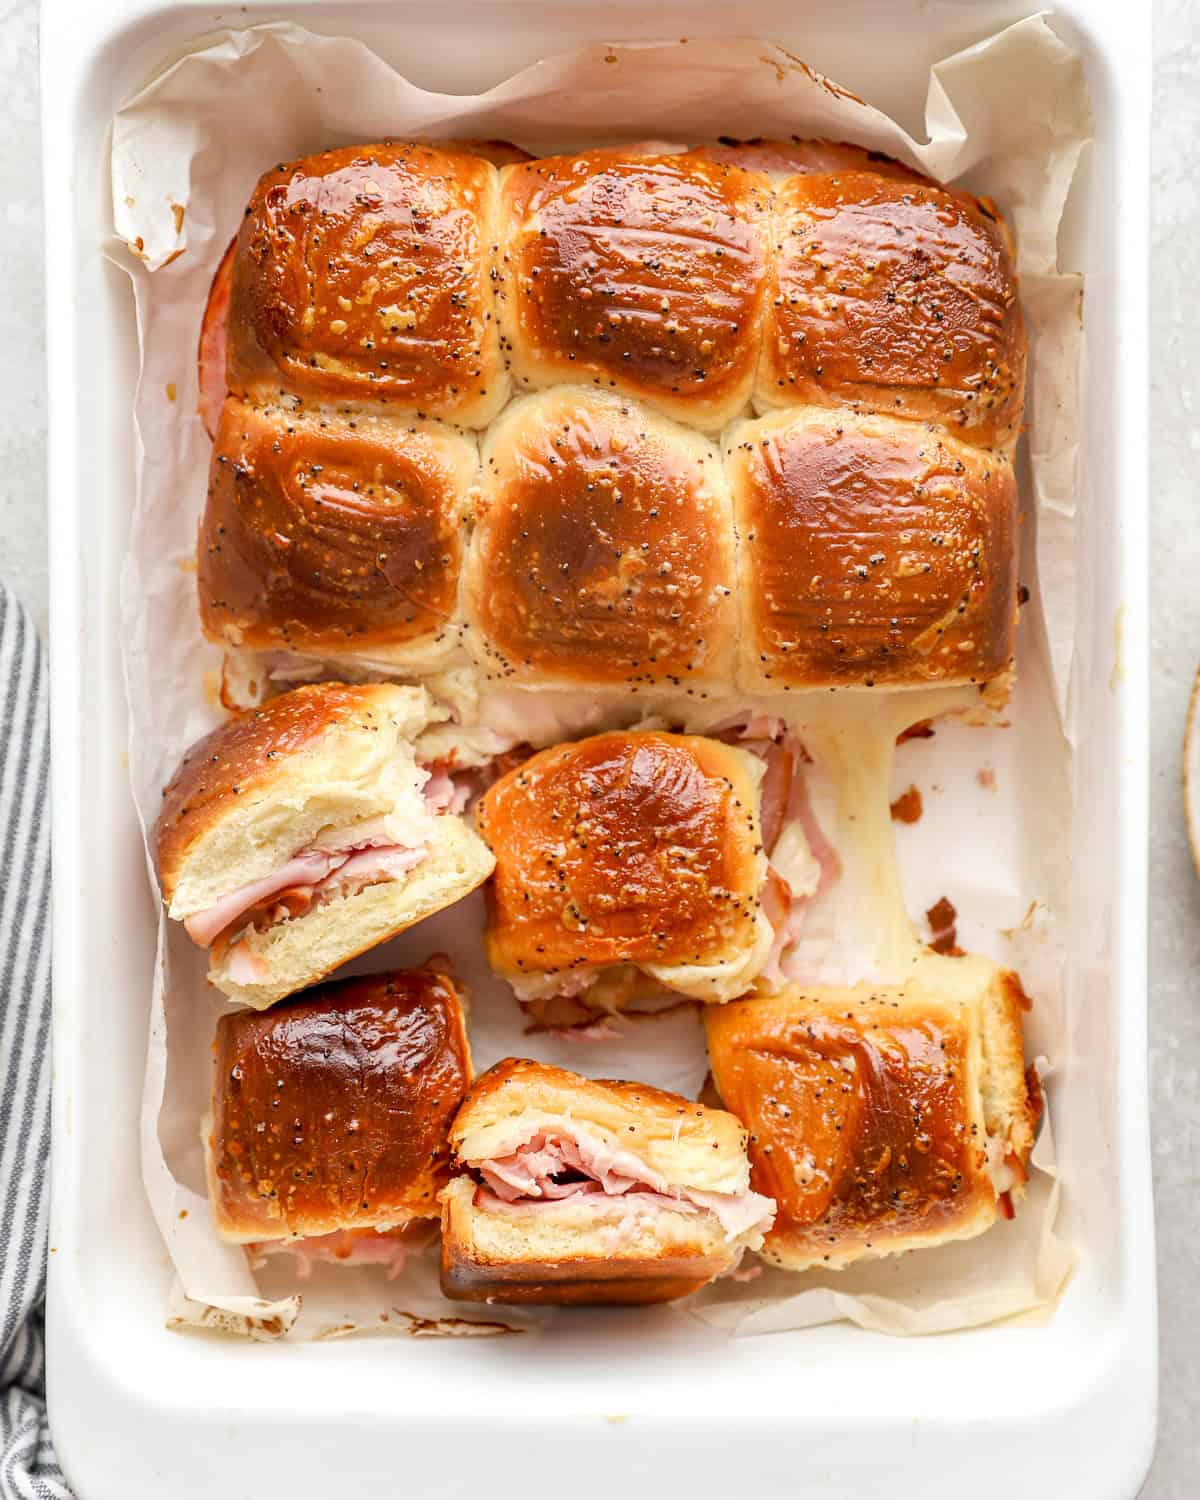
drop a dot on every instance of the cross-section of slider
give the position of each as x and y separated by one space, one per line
871 552
336 536
575 1190
881 1119
364 275
293 838
328 1131
645 274
627 864
604 553
895 296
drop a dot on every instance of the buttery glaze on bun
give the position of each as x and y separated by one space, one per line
640 273
604 551
628 858
781 159
364 275
334 535
898 297
872 551
376 293
330 1114
298 836
574 1190
881 1119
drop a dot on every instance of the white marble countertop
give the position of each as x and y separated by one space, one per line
1175 891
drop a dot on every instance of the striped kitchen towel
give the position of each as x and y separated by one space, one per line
28 1467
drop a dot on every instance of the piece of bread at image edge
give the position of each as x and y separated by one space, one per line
592 1249
263 787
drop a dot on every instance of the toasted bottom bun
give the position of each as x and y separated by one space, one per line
576 1253
304 949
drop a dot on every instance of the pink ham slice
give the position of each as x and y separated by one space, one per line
314 873
783 799
210 357
304 870
349 1247
360 855
444 794
527 1173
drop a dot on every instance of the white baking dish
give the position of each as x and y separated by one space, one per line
632 1401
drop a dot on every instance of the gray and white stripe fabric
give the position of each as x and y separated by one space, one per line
28 1467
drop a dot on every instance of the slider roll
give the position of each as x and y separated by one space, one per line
873 552
898 297
627 862
364 275
604 551
881 1120
298 836
642 274
576 1191
334 536
330 1113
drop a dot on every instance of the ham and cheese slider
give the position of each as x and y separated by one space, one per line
369 196
295 837
627 864
881 1119
603 557
640 273
328 1130
873 552
364 275
890 293
336 537
574 1190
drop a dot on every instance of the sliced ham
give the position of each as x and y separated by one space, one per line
368 867
566 1160
303 869
352 857
389 1248
444 794
784 805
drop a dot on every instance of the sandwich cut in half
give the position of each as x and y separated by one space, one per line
576 1190
298 836
330 1112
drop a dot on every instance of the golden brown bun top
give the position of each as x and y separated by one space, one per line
604 554
331 1111
332 534
872 550
247 754
499 153
865 1110
899 295
643 273
676 1136
627 847
363 274
780 158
